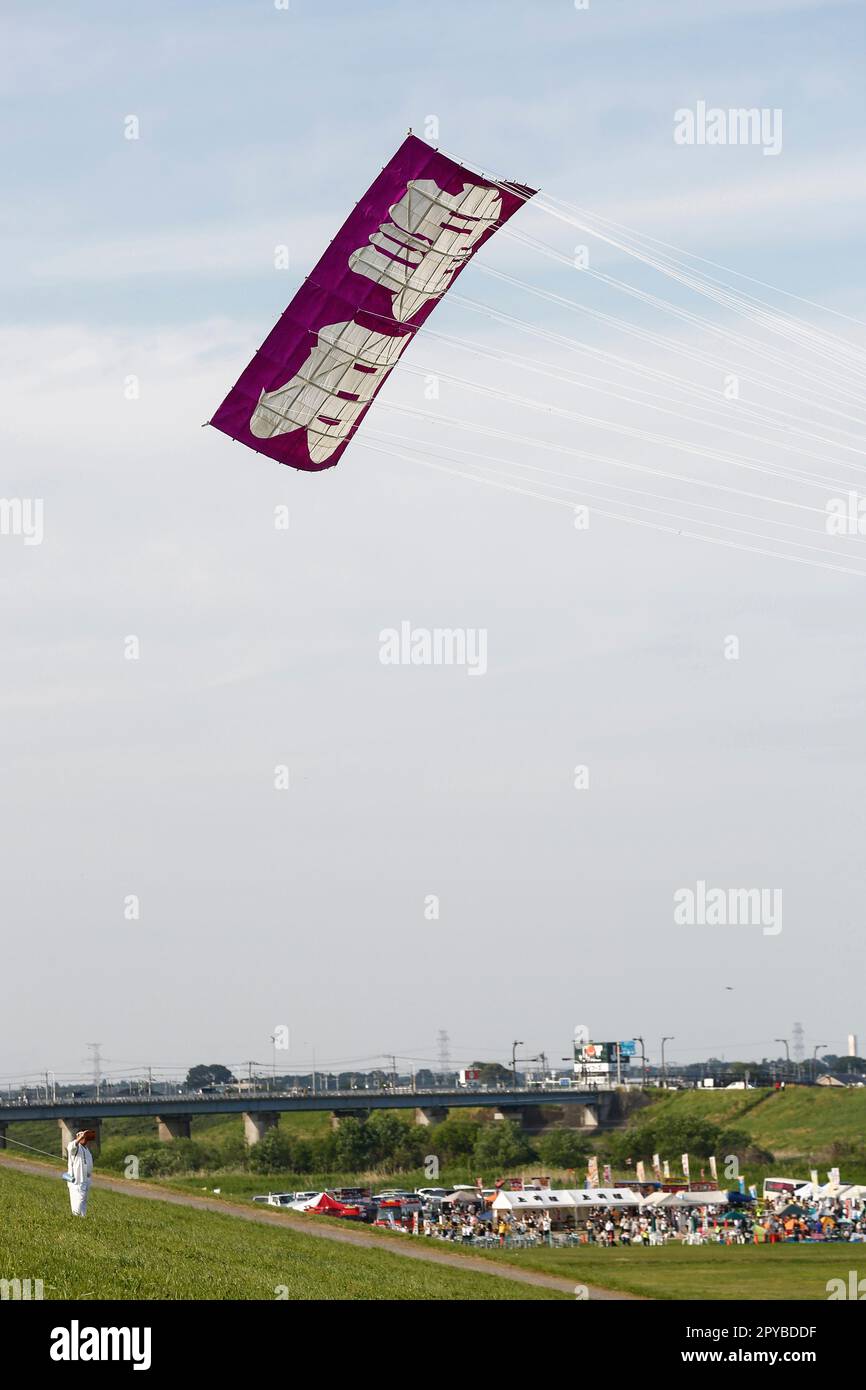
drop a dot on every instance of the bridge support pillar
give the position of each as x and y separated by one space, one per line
526 1116
2 1136
430 1114
70 1127
257 1123
170 1127
590 1117
338 1115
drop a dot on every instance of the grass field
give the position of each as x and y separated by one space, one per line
711 1272
133 1249
128 1248
692 1272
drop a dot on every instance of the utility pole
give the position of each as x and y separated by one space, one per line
642 1060
670 1038
815 1062
787 1054
514 1047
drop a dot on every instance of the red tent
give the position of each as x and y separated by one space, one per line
329 1206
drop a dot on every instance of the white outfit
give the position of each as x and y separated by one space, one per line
80 1169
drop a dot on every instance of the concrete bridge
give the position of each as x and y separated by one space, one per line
174 1115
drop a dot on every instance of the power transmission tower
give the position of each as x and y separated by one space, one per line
799 1044
444 1063
97 1065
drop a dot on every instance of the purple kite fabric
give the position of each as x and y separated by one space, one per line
307 389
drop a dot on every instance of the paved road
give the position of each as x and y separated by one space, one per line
351 1235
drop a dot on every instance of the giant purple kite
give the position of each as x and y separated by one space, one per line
311 382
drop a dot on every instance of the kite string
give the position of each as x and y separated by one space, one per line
603 387
656 511
656 339
566 212
20 1145
631 520
799 365
686 256
707 396
492 432
484 460
845 355
808 479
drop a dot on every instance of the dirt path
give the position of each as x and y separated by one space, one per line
408 1249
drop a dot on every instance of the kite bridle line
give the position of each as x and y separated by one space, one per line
631 520
644 248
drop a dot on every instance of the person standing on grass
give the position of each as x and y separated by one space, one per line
80 1170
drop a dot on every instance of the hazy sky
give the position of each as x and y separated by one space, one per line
154 258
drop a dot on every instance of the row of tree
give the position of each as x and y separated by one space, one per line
384 1143
390 1144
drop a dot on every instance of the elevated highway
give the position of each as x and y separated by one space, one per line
174 1115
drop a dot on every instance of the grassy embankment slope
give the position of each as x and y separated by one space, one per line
800 1122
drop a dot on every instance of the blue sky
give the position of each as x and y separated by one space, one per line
155 258
258 119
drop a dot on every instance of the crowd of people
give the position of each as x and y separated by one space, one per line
758 1222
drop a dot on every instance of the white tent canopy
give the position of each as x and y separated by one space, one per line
803 1193
605 1197
714 1198
547 1199
543 1199
834 1189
